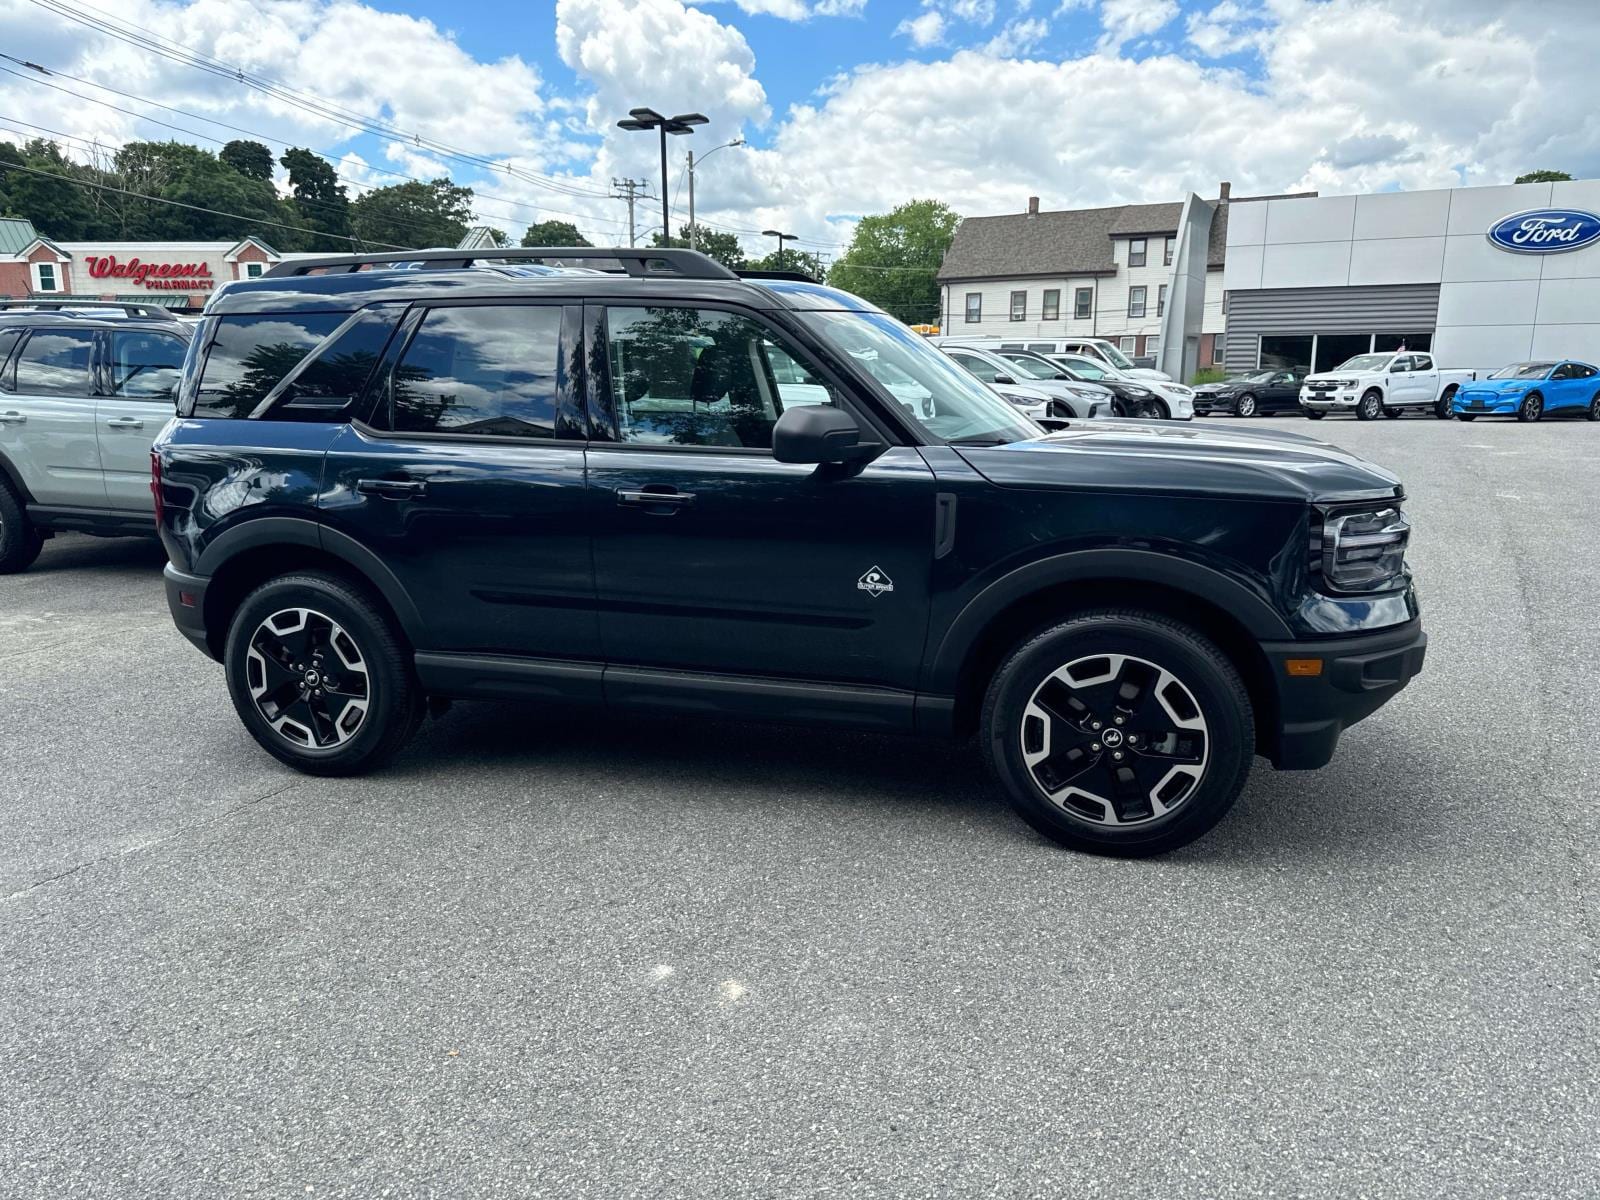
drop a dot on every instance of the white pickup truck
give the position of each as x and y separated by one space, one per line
1389 383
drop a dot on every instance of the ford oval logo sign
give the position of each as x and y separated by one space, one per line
1545 230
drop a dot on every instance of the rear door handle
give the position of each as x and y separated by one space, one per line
12 418
125 423
392 489
650 499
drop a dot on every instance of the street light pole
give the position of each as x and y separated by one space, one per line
694 234
649 118
782 237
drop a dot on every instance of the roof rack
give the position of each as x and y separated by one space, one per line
131 309
684 264
794 276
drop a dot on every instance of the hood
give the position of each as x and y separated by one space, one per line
1183 458
1147 373
1500 387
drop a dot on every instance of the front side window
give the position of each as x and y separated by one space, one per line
1421 362
702 377
55 363
974 307
1161 299
935 393
1137 250
1019 306
1083 304
145 365
250 355
1052 305
484 370
47 277
1136 303
1166 252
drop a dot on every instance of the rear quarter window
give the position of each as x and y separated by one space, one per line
250 355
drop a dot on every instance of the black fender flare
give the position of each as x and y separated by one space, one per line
297 531
1206 583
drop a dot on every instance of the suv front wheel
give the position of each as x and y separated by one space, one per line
318 676
1119 732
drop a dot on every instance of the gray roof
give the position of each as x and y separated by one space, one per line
15 233
1076 242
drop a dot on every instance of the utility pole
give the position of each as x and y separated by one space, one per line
693 232
628 189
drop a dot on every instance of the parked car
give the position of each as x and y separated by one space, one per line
1100 349
1174 402
1384 384
1247 395
1529 390
1029 390
389 489
84 387
1126 399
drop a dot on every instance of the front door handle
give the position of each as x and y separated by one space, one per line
647 498
392 489
125 423
12 418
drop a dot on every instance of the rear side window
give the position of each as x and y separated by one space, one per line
249 356
329 382
55 363
486 370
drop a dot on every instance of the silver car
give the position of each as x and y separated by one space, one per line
1033 396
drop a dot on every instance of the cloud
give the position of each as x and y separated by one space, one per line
926 30
1126 20
1018 37
1362 150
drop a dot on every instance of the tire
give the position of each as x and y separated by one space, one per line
20 542
1245 406
1467 417
1205 727
1594 408
1159 411
1445 408
1531 408
1313 415
1369 408
348 643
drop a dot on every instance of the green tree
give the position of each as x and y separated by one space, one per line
250 159
724 247
1543 177
46 193
553 233
793 260
319 197
414 215
894 258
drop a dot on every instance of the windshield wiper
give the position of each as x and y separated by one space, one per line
981 440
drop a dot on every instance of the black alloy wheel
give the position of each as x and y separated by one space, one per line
1369 408
317 673
1119 732
1246 406
1531 408
20 542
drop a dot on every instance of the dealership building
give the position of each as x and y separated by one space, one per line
172 274
1480 276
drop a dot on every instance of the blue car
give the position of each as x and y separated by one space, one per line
1528 390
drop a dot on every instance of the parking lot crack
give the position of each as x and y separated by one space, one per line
181 831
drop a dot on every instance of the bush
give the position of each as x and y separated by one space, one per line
1208 375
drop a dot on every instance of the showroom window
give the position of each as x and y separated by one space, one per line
1052 305
1397 341
974 307
1136 301
1166 252
1292 352
1019 306
1137 249
1161 299
1335 348
1083 304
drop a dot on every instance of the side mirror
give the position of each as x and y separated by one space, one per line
1005 379
819 433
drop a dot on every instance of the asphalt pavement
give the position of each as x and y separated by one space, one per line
552 954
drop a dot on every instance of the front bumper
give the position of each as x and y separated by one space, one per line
186 601
1489 405
1358 675
1329 401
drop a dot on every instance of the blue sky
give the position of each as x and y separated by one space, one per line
849 106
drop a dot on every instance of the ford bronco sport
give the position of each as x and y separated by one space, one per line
664 487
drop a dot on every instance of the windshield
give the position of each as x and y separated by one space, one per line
1258 377
1033 368
935 393
1084 368
1114 356
1365 362
1523 371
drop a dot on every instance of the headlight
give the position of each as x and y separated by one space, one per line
1346 383
1179 390
1139 393
1364 551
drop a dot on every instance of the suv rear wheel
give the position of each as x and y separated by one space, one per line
318 676
1119 732
20 542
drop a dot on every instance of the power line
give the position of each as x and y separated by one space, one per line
216 212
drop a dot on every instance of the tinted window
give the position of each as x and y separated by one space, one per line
485 370
1421 362
699 377
334 378
55 363
145 365
249 356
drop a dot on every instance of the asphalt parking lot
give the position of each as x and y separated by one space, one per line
546 956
